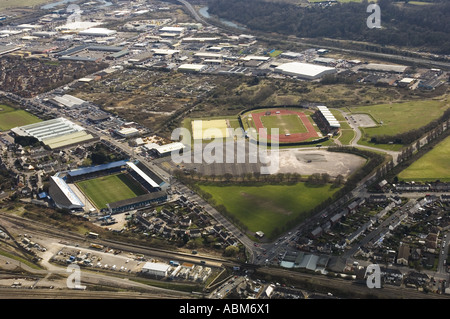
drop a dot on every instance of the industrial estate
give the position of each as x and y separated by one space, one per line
91 96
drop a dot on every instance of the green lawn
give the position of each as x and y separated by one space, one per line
109 189
401 117
347 135
285 123
11 117
434 165
269 208
275 53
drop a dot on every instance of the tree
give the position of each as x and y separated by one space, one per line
228 176
231 251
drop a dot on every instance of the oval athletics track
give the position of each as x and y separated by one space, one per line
293 137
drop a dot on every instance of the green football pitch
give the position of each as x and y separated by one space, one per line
110 189
285 123
11 117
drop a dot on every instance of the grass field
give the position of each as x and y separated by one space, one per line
434 165
275 53
269 207
109 189
11 117
285 123
399 117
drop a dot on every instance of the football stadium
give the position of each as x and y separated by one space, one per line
113 188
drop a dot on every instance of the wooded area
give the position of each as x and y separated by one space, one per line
405 25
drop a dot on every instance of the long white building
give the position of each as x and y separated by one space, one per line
155 269
55 133
305 71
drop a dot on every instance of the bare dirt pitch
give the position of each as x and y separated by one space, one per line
308 162
291 160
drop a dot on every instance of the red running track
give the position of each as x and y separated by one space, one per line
294 137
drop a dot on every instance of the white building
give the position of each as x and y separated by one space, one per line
67 101
128 132
164 150
192 67
305 71
155 269
176 30
97 32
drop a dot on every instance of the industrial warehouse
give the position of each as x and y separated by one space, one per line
57 133
305 71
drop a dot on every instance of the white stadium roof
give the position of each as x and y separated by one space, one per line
67 191
142 174
332 121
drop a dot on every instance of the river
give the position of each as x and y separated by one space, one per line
204 13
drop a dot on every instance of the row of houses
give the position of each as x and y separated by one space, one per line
426 187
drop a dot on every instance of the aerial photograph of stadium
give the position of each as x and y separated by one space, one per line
225 157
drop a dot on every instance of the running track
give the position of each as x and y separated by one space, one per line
293 138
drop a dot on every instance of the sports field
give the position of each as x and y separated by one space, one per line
110 189
287 124
204 129
269 208
434 165
294 125
396 118
11 117
401 117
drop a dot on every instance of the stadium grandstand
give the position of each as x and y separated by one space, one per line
95 171
145 176
326 121
137 202
62 194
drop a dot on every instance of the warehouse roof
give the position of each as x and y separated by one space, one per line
383 67
167 148
49 129
192 67
68 101
155 266
305 70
